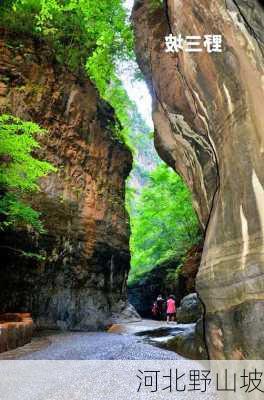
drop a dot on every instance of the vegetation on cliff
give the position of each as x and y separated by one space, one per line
86 35
19 172
164 225
96 37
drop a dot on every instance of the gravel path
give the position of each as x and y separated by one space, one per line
99 346
120 344
70 379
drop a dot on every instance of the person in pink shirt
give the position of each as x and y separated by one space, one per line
171 309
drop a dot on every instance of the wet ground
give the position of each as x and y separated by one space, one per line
74 380
141 340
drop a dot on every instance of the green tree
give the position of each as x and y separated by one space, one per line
164 225
86 35
19 172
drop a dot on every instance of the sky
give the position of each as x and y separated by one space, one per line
129 4
136 90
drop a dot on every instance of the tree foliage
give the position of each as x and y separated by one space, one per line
86 35
165 225
19 171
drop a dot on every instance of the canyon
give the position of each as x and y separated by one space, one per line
209 127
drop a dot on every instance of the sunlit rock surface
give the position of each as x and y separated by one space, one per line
82 277
208 116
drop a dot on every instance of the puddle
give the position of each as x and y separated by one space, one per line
163 342
163 337
161 332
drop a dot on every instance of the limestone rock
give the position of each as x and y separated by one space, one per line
190 309
209 126
124 313
191 266
86 252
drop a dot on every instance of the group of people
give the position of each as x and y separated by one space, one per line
162 308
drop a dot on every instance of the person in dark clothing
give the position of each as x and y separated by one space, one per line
160 307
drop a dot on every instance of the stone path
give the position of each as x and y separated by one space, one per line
75 380
120 343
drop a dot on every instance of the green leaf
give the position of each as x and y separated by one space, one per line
19 171
164 224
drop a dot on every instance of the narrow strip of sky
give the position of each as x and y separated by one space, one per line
137 90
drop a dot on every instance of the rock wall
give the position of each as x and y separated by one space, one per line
82 279
191 266
209 126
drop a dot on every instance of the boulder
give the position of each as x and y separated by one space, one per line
124 313
190 309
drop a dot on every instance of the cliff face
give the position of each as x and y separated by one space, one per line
83 277
207 111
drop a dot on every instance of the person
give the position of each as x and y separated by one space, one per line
160 306
154 310
171 309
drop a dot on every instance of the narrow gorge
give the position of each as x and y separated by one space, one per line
60 67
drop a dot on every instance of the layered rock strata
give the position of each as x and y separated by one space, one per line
81 278
209 126
15 330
